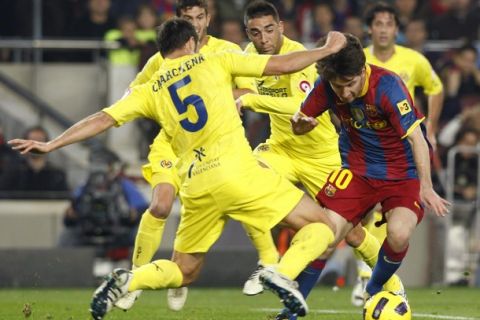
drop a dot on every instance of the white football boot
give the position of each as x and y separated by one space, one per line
113 288
176 298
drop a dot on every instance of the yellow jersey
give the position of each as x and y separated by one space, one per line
412 67
281 97
213 45
191 98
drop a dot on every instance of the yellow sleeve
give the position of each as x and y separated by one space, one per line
426 77
245 83
244 64
300 84
137 102
152 65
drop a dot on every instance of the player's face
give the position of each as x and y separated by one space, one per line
348 88
383 30
265 34
199 18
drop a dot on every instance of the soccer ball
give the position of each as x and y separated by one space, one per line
387 306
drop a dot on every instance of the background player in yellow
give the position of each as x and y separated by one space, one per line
306 159
415 71
220 178
161 171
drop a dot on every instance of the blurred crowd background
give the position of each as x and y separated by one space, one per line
447 32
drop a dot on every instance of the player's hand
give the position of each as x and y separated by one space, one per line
302 124
336 41
433 201
25 146
239 105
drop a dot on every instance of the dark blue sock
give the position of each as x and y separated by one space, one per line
387 264
308 278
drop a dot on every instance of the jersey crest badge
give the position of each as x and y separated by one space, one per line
330 190
166 164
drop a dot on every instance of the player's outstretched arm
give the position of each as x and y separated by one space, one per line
428 196
296 61
84 129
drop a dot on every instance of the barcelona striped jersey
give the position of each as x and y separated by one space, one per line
373 126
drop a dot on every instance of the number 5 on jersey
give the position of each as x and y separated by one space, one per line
182 106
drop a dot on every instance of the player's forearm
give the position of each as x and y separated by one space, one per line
295 61
84 129
268 104
421 157
435 105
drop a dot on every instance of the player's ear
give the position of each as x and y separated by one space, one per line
208 16
281 26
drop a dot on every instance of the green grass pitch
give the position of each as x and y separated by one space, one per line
230 304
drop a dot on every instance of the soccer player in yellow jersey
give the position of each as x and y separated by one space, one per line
306 159
415 71
161 171
191 97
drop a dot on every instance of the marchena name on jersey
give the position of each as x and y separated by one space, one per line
175 72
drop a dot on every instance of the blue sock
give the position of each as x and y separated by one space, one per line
387 264
308 278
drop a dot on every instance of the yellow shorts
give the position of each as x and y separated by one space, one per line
233 187
311 173
162 165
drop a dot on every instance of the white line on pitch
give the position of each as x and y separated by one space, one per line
416 315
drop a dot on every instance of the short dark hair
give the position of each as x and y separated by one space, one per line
347 62
29 130
185 4
468 46
260 8
173 34
378 8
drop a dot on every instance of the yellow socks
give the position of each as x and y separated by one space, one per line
148 239
307 245
156 275
263 242
368 249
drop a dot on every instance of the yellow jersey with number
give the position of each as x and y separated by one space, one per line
191 98
281 97
213 45
412 67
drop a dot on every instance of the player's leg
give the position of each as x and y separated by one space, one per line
313 174
402 223
403 213
268 255
274 158
152 224
158 274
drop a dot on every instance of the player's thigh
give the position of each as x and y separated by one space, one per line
275 158
313 173
161 167
258 197
305 212
201 224
348 195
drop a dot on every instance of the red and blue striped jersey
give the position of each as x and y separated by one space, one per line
374 126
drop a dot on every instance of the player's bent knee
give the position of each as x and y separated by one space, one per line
355 237
398 239
160 210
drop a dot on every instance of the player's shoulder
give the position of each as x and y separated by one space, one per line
409 54
290 45
381 78
222 45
